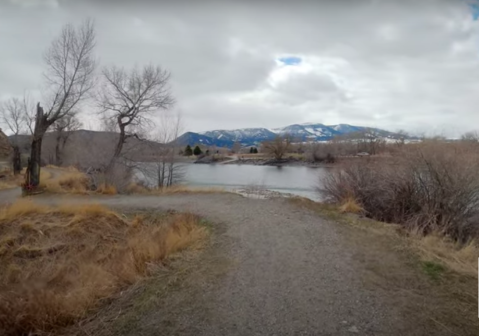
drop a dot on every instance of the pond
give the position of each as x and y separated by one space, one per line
297 180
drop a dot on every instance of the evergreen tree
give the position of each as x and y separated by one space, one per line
188 151
197 150
255 150
207 152
251 150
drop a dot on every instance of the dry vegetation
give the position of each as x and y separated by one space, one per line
430 189
56 263
9 181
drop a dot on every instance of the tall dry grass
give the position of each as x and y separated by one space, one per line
56 263
67 181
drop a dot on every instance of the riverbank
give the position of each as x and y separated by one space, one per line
265 161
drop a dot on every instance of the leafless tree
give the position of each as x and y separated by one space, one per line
15 113
130 99
236 147
63 129
472 136
165 169
278 147
69 75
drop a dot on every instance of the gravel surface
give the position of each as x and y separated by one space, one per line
293 273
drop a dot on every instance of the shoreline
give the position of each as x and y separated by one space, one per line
270 162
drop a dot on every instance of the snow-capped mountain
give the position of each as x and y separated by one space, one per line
255 136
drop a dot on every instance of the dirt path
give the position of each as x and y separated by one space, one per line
293 273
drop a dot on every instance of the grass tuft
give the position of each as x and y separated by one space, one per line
350 205
433 270
106 189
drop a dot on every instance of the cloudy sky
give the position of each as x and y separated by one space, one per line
410 65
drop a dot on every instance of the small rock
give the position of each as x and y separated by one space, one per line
353 329
344 322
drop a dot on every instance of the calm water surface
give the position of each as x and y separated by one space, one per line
301 181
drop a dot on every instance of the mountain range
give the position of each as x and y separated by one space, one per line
255 136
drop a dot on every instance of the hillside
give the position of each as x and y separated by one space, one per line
89 148
255 136
5 147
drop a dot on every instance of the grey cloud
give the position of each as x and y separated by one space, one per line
392 64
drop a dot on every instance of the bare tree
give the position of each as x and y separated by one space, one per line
130 98
278 146
236 147
15 114
63 130
165 169
472 136
70 76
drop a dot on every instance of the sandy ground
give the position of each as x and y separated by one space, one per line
292 273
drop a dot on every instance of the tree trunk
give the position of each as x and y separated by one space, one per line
17 160
41 126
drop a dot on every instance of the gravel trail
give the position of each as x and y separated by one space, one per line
293 272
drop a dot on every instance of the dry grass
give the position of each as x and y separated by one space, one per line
350 205
461 258
10 181
67 182
56 263
106 189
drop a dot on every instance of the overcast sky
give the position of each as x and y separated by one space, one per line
409 65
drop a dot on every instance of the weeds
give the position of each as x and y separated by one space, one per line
433 270
56 263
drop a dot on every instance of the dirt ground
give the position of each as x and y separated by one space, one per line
274 268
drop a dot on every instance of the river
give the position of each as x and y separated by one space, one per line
301 181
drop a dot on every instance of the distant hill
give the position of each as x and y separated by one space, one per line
255 136
89 148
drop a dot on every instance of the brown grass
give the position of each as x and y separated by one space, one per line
106 189
350 205
73 182
461 258
56 263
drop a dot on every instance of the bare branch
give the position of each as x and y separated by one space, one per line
129 99
70 69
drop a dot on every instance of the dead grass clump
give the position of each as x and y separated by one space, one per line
56 263
350 205
135 188
66 182
106 189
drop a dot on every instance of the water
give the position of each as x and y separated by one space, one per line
301 181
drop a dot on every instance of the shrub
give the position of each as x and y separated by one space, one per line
431 187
